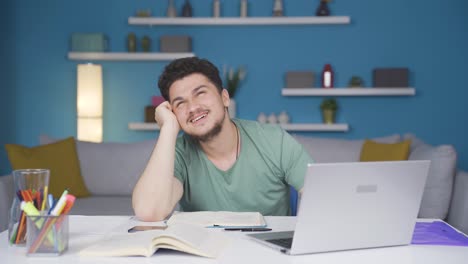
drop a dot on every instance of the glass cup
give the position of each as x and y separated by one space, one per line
30 185
47 235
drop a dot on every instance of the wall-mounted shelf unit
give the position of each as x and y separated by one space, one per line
143 126
348 91
127 56
316 127
238 21
288 127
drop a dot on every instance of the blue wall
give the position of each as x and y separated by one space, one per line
7 83
429 37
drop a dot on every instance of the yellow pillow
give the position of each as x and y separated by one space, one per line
374 151
59 157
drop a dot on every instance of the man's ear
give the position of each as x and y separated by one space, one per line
225 98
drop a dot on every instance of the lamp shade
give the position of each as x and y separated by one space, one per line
90 129
89 90
89 102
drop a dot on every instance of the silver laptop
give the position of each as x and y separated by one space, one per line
354 205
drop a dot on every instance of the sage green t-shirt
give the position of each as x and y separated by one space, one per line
269 161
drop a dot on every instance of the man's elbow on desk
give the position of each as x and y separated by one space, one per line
148 216
151 215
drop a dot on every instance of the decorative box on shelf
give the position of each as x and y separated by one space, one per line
149 114
175 44
150 109
89 42
300 79
390 77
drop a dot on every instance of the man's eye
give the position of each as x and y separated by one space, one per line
178 105
201 92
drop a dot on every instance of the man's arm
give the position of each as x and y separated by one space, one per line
158 191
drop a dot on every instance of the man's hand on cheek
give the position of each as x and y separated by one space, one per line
165 117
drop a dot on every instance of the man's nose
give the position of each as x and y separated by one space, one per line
192 106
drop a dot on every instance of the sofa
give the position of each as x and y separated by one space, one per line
110 171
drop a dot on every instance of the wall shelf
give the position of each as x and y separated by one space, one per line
238 21
348 91
288 127
129 56
143 126
316 127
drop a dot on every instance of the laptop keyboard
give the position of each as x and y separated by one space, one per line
283 242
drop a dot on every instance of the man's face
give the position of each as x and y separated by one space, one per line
198 106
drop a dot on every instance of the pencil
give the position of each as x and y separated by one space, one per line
21 228
15 233
44 199
16 229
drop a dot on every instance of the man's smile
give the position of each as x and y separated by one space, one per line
196 118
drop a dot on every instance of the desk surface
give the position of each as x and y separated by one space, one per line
85 230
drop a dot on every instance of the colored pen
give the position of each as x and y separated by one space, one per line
60 204
255 229
29 208
50 202
44 199
69 204
69 201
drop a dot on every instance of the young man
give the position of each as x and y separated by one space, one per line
219 163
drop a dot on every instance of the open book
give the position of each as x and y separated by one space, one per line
218 219
186 238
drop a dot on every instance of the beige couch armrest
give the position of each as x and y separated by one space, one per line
6 198
458 214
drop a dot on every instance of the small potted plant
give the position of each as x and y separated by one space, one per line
329 106
355 82
233 78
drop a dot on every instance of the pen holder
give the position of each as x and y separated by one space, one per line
30 185
47 235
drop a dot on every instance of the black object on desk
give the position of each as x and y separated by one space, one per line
254 229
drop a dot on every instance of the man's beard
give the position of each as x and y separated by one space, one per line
210 134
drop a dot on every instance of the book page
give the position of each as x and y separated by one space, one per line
193 239
129 244
187 238
219 218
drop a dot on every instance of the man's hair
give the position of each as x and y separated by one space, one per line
183 67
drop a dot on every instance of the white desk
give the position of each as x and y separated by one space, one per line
86 229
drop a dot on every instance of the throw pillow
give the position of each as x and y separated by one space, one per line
374 151
438 190
59 157
323 150
111 168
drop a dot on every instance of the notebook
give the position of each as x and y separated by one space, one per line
352 206
218 219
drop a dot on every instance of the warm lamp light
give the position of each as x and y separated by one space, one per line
89 102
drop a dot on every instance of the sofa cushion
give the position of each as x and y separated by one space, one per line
375 151
438 190
324 150
111 168
59 157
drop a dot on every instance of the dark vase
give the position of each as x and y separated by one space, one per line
146 44
187 9
131 42
323 10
